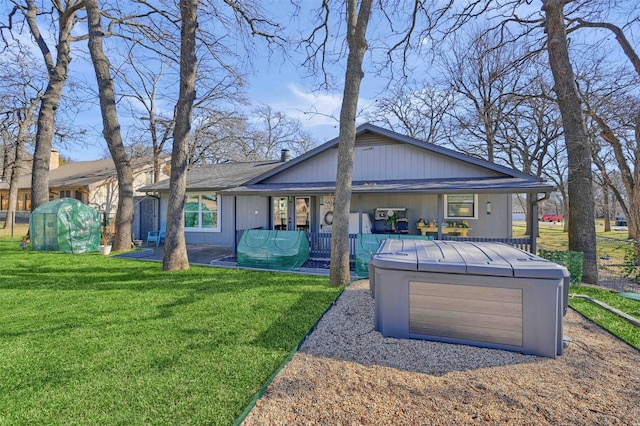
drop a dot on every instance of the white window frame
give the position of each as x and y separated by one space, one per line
475 208
191 195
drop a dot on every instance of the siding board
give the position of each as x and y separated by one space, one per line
486 314
381 160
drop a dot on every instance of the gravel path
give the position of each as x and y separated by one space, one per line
348 374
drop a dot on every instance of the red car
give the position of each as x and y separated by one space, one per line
551 218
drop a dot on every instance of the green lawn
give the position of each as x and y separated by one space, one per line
86 339
609 244
617 326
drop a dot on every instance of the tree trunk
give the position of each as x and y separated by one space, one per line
111 131
50 100
582 235
606 207
356 40
175 249
18 159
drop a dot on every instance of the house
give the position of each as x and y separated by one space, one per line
393 176
94 183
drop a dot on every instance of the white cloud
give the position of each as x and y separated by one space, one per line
318 111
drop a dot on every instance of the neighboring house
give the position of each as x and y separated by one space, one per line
416 180
94 183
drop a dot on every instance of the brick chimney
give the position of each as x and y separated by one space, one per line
54 161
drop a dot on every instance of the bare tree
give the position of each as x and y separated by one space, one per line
220 138
274 131
175 252
63 16
106 93
141 83
19 100
357 22
242 20
611 103
484 73
582 233
527 137
418 110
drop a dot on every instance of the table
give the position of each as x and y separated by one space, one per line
462 232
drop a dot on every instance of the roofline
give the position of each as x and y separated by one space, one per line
240 190
368 127
364 187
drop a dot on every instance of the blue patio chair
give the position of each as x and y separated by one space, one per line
157 236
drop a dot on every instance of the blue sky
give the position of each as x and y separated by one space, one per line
284 91
281 85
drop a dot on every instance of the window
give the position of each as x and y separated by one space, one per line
201 212
461 206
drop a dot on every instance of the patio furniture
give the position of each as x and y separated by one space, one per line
462 232
157 236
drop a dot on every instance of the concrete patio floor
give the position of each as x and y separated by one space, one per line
205 254
198 254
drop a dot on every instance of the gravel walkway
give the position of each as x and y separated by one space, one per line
348 374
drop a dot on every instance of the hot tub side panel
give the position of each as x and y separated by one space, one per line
470 312
521 315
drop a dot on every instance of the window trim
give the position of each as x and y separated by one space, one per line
189 195
475 207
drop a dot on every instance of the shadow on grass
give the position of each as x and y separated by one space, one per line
121 274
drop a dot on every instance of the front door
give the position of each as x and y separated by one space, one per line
326 213
303 210
280 213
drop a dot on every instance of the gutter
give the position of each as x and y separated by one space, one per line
534 220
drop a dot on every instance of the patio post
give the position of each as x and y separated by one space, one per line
440 215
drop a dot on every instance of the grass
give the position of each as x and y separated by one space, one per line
87 339
18 230
611 244
553 237
607 320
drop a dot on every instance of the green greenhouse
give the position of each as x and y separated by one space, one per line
66 225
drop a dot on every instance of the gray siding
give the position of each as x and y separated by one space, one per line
225 237
245 208
252 212
497 224
379 159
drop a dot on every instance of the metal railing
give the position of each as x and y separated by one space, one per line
320 243
521 243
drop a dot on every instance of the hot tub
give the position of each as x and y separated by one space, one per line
483 294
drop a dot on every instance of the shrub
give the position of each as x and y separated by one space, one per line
630 262
573 260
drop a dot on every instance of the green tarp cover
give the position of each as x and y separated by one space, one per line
282 250
66 225
367 245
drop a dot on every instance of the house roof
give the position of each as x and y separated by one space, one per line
368 127
435 186
250 178
216 177
81 174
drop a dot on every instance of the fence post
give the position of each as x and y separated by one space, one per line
13 223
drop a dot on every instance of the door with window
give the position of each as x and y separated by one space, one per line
280 213
326 213
303 209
